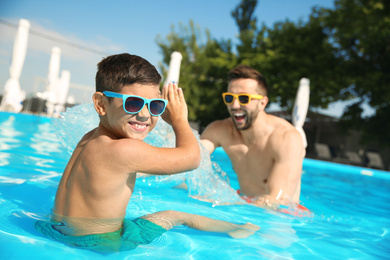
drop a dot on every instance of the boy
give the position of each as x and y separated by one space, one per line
98 182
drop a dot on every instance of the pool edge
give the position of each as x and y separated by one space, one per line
350 169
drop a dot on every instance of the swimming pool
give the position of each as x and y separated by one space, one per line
351 207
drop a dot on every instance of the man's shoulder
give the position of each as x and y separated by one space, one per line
284 130
223 122
219 125
218 131
280 124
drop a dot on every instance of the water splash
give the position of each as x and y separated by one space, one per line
74 123
206 183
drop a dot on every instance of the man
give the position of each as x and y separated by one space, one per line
266 151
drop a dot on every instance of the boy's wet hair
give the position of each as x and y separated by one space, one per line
246 72
119 70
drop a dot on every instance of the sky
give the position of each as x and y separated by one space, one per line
112 27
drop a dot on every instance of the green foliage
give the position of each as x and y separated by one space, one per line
302 51
361 32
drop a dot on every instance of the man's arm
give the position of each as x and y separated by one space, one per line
210 136
285 177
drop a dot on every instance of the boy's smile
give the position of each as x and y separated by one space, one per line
138 126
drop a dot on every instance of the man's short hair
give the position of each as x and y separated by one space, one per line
246 72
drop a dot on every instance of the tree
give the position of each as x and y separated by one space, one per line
360 30
294 51
243 14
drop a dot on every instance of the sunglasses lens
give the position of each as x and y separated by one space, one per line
244 99
228 99
134 104
156 107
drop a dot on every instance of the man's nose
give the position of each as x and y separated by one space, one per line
235 103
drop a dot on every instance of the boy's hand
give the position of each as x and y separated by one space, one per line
176 109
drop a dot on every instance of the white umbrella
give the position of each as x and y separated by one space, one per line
301 106
174 68
13 96
53 81
62 92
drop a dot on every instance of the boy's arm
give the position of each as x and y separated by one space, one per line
176 114
137 156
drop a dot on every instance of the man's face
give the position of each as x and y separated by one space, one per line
243 115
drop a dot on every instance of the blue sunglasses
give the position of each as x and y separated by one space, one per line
134 104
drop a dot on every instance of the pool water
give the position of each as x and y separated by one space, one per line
351 206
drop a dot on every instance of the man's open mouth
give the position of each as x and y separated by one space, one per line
239 116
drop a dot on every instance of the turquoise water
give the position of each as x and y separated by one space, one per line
351 206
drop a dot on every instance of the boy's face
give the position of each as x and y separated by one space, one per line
135 126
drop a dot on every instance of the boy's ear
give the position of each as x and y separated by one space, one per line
98 102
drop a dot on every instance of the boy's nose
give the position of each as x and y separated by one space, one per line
144 112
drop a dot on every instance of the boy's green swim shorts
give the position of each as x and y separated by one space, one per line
133 233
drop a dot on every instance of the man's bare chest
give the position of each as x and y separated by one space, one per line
250 162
